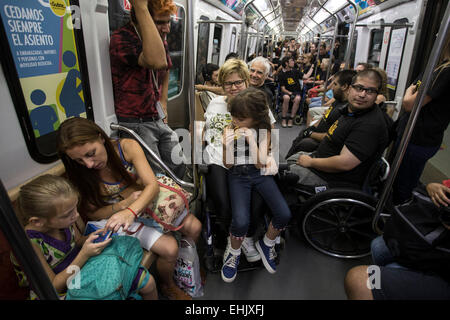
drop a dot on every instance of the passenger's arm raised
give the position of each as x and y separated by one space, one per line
153 55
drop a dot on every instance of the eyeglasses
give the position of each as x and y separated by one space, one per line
161 22
360 89
236 83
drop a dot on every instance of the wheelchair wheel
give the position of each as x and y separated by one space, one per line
338 222
298 120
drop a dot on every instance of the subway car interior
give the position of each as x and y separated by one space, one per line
57 63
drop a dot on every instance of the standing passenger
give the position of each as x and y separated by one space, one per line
429 130
140 64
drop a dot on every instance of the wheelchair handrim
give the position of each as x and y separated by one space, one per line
308 234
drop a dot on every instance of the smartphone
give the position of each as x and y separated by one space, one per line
102 238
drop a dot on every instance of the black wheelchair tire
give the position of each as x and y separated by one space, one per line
338 222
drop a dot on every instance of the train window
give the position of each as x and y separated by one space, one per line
217 41
376 41
45 66
202 48
175 41
395 55
233 40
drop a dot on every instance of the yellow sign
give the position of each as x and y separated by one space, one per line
58 7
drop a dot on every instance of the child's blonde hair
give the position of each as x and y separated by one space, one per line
40 197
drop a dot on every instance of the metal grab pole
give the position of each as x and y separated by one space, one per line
192 71
243 31
162 165
423 89
331 59
23 250
348 52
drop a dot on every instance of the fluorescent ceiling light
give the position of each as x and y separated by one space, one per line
335 5
262 6
321 16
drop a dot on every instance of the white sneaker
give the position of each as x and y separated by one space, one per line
249 249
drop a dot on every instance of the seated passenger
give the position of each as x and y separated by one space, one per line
259 69
246 145
308 139
140 64
116 185
352 144
234 77
48 206
210 88
290 90
407 267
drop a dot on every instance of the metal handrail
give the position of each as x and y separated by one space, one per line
348 51
423 89
163 166
23 250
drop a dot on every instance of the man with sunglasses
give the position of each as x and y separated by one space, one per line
140 64
353 142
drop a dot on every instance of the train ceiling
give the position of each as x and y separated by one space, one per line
298 17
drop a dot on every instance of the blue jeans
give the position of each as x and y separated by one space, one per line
410 170
163 141
241 180
381 255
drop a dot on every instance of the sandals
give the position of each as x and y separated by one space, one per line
283 122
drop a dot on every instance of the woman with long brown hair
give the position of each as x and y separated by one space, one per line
116 184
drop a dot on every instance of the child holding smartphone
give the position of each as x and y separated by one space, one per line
48 206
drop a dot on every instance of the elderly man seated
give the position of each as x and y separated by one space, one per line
352 144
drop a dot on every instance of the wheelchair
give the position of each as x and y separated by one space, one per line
213 255
337 221
301 112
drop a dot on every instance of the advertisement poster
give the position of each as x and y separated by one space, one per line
235 5
41 40
394 57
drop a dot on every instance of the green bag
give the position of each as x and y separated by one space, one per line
110 275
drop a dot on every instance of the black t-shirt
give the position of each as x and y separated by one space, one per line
330 116
268 93
291 80
434 117
364 133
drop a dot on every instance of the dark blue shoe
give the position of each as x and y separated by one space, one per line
230 265
268 255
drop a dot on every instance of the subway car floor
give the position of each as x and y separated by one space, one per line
302 274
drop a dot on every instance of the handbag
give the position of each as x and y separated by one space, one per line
416 237
187 269
170 207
